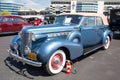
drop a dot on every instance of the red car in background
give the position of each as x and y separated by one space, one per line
12 24
34 21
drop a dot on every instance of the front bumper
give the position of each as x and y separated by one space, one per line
24 60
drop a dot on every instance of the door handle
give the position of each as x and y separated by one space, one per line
97 29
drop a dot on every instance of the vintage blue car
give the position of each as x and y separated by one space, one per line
71 36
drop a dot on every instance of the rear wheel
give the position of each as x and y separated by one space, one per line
56 62
107 43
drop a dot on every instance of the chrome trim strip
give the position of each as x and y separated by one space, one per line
93 49
57 34
24 60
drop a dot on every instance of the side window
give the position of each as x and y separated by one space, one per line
7 20
0 18
89 21
99 21
19 20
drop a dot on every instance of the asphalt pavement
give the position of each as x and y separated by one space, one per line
98 65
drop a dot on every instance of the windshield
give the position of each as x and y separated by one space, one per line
68 19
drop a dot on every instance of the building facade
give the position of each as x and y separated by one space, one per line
10 6
61 6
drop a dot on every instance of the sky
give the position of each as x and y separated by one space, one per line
40 3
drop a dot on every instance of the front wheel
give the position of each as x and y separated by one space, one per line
56 62
107 43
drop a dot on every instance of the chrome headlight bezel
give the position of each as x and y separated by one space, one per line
20 34
15 45
33 37
27 49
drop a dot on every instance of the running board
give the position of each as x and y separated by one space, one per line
93 48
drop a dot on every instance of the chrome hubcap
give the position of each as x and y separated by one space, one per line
57 61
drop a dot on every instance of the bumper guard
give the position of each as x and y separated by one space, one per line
24 60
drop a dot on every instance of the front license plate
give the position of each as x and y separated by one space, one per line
32 56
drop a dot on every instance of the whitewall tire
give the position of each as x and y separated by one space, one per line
107 43
56 62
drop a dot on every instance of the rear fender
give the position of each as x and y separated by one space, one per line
107 33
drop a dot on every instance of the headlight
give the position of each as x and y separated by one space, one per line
15 46
27 50
20 34
33 37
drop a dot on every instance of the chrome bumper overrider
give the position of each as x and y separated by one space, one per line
24 60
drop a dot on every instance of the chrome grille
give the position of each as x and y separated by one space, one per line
26 41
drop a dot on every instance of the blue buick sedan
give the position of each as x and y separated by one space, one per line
69 37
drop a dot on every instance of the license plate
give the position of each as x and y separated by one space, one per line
32 56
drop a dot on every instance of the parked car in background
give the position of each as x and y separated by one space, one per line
12 24
71 36
114 20
49 19
34 21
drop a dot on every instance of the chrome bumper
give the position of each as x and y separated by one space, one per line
24 60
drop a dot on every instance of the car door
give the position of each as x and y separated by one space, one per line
100 27
6 24
89 34
18 23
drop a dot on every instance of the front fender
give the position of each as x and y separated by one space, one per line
48 48
16 39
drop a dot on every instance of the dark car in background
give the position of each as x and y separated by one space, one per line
114 21
12 24
49 19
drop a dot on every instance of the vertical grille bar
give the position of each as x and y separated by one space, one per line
26 40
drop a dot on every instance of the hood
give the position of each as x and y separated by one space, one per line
48 28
